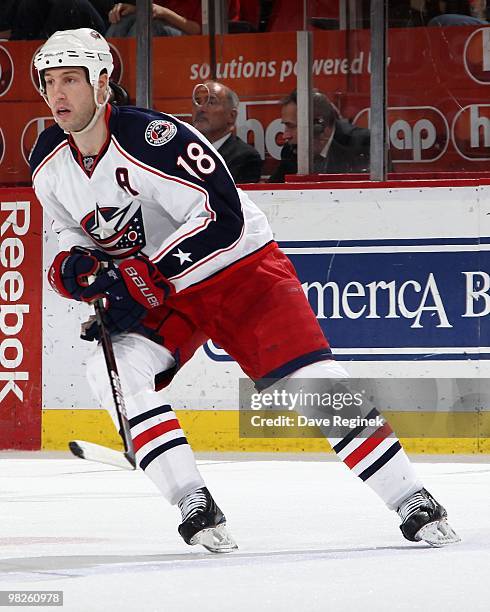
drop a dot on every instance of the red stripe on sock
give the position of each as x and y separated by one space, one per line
152 433
368 445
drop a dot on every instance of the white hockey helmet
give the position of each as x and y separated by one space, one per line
83 48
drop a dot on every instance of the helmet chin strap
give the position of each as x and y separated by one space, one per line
99 109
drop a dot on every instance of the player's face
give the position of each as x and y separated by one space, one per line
289 118
212 113
70 97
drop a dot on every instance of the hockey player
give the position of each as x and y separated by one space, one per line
188 256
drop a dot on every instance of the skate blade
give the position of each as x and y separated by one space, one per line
215 539
438 534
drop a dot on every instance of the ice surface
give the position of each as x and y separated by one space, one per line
311 537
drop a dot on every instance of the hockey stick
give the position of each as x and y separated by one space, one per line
100 454
95 452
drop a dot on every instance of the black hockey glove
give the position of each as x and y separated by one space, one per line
69 272
131 289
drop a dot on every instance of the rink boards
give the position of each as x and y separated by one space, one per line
398 277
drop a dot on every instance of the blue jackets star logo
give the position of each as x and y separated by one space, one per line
118 231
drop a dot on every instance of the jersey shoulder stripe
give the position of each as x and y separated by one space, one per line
159 140
45 145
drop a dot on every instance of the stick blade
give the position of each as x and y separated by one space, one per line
100 454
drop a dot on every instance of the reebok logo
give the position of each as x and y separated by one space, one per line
16 224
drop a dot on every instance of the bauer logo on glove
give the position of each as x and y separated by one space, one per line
135 279
152 300
129 291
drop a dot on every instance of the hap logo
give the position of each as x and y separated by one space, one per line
117 73
476 55
416 133
30 134
2 146
471 132
6 71
257 123
34 77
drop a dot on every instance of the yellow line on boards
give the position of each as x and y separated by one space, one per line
218 430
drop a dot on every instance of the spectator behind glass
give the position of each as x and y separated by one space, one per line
214 113
338 146
37 19
170 18
7 14
454 12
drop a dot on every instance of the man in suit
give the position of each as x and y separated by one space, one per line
338 146
214 114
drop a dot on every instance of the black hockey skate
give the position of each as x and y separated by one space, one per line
204 523
424 519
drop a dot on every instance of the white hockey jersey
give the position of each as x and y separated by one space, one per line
157 187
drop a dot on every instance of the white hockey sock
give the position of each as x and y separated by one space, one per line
372 453
377 457
162 450
161 447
